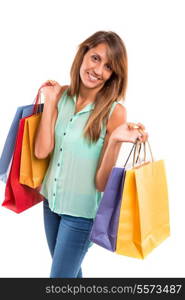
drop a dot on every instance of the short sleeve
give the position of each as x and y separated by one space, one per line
59 104
113 106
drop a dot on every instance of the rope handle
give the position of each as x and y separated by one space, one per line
137 150
37 100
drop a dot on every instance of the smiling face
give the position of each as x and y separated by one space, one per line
95 69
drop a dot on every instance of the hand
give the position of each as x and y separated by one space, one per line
52 92
129 132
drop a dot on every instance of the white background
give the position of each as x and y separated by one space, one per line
38 42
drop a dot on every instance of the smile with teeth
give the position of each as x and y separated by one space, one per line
92 78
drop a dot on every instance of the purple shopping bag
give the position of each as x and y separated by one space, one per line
105 225
104 229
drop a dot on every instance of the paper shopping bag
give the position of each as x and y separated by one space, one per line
19 197
105 225
144 212
7 152
32 169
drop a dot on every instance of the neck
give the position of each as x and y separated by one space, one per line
87 94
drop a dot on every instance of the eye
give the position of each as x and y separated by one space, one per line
108 67
94 57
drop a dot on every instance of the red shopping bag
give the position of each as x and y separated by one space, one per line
19 197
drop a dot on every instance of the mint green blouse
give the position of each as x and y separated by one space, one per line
69 182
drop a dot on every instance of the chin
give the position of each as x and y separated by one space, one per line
92 85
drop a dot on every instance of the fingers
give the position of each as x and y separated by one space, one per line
136 126
141 126
142 135
132 125
52 82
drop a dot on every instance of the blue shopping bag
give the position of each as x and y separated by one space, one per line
7 152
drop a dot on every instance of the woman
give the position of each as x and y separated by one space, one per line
83 126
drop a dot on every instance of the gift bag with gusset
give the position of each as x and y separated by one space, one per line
144 212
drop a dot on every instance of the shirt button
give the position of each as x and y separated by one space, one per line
60 149
55 179
58 164
64 133
71 119
53 194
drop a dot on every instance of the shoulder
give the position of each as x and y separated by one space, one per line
62 90
118 117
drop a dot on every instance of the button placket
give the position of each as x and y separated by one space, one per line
59 163
56 175
71 120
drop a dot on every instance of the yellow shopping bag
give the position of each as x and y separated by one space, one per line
32 169
144 213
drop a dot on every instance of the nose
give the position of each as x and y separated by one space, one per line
98 70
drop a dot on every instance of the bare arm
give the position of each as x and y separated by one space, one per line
110 149
109 159
45 137
44 141
118 131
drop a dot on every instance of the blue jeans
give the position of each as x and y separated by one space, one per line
67 238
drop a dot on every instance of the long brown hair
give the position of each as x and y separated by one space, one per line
113 89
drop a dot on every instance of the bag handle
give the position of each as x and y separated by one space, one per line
134 147
137 149
129 154
37 101
144 147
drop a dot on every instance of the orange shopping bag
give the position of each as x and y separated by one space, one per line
144 213
32 169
